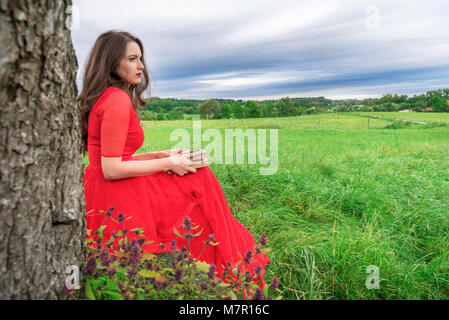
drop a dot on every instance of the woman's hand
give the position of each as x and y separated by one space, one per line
181 164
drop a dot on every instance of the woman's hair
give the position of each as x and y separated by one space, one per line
100 73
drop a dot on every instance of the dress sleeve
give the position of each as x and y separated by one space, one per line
116 113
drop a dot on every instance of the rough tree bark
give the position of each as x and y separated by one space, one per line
41 189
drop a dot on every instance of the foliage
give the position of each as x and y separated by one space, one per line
118 268
209 108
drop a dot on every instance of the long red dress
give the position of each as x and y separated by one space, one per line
157 202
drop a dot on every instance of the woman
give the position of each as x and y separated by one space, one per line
139 186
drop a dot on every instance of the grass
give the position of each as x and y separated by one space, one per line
343 198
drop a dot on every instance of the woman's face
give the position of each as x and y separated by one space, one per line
130 68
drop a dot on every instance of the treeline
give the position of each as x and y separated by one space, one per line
173 109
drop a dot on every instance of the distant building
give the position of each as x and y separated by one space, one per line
427 109
407 110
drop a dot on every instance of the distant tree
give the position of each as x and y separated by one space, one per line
438 104
238 111
252 109
300 110
161 116
175 115
209 108
285 107
226 111
148 115
269 110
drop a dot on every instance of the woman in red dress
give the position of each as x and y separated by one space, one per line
139 186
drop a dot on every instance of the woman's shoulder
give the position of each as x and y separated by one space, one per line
113 96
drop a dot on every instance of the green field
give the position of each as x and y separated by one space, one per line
343 198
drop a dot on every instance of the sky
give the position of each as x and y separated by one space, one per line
262 49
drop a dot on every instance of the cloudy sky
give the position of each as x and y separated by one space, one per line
247 49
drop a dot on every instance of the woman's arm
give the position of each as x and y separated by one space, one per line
155 155
114 168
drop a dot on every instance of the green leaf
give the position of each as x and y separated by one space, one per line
177 233
203 266
148 242
89 292
265 291
112 285
112 295
149 273
102 228
197 234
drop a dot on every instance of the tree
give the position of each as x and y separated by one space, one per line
209 108
238 111
285 107
41 186
252 109
226 111
439 105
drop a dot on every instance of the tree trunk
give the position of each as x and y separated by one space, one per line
41 188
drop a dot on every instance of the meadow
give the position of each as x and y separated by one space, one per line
344 197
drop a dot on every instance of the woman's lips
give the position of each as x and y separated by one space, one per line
139 74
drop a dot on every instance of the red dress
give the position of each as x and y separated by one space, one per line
157 202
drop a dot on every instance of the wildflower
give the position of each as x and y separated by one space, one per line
183 249
111 208
173 245
211 239
257 249
187 224
247 276
125 231
263 239
121 217
188 235
258 295
134 259
90 266
132 272
203 285
248 256
178 275
111 272
212 270
275 283
105 261
162 245
141 241
258 270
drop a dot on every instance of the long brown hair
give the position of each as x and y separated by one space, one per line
100 73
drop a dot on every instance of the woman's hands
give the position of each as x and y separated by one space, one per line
181 164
